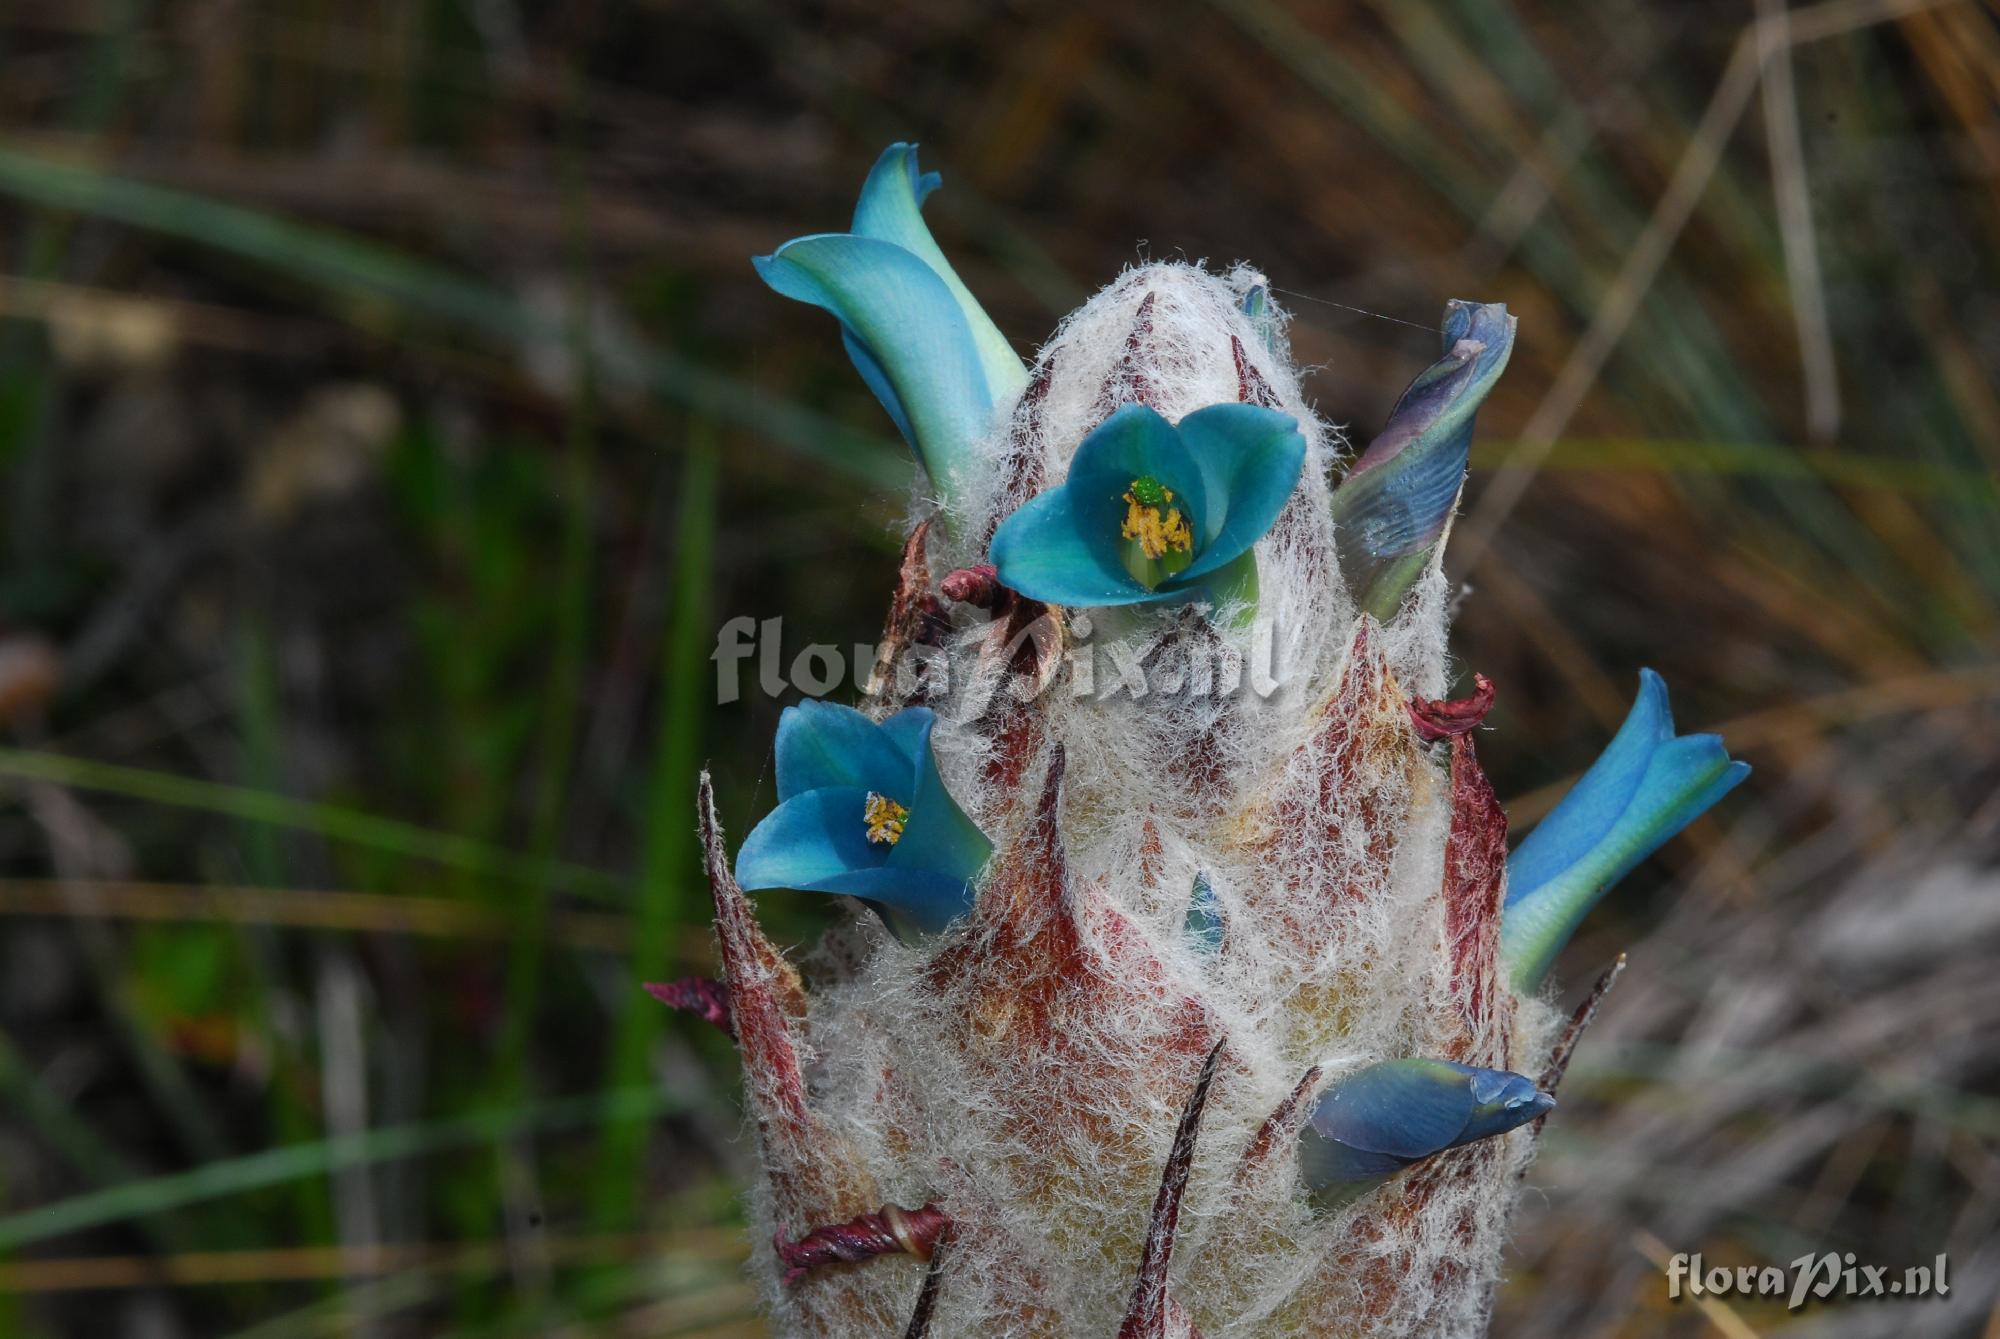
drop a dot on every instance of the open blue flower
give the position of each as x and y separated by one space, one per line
1645 787
1391 509
862 811
918 337
1367 1126
1153 512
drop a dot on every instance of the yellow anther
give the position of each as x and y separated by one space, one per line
885 819
1153 521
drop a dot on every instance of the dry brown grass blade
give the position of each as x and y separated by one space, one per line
1719 1313
308 1263
1473 536
315 909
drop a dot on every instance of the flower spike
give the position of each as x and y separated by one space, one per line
926 349
1373 1123
1153 512
862 811
1645 787
1392 509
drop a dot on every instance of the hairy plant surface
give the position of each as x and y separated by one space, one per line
1186 993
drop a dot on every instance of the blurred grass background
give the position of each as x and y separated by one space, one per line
389 417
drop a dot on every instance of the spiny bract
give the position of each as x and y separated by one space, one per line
1224 1036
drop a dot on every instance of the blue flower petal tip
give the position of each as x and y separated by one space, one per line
1391 510
1204 918
1153 512
862 811
1646 786
1256 305
914 332
1368 1125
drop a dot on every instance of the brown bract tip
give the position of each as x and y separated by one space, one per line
916 615
1447 718
887 1231
702 996
1153 1314
1128 382
978 585
1579 1022
811 1170
920 1318
1251 388
1277 1130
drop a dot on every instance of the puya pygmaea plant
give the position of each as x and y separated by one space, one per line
1201 997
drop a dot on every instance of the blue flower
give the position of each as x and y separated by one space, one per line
919 339
862 811
1391 509
1647 786
1152 512
1367 1126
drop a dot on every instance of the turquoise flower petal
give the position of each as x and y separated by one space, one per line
1408 1108
1370 1124
831 759
1591 806
810 839
920 357
1648 785
1501 1100
1043 552
891 209
1392 508
1134 443
1250 460
938 836
876 378
912 903
1335 1173
1231 468
823 744
909 731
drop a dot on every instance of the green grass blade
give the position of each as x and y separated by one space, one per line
389 835
347 265
234 1176
669 862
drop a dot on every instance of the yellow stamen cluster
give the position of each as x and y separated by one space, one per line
885 819
1150 519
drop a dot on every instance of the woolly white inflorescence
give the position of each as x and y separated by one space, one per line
1026 1070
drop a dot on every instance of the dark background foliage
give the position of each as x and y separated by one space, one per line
389 418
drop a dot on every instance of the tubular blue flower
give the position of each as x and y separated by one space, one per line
1152 512
862 811
1391 510
1645 787
915 333
1367 1126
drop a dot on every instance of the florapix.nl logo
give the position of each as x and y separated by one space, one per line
1024 659
1824 1277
